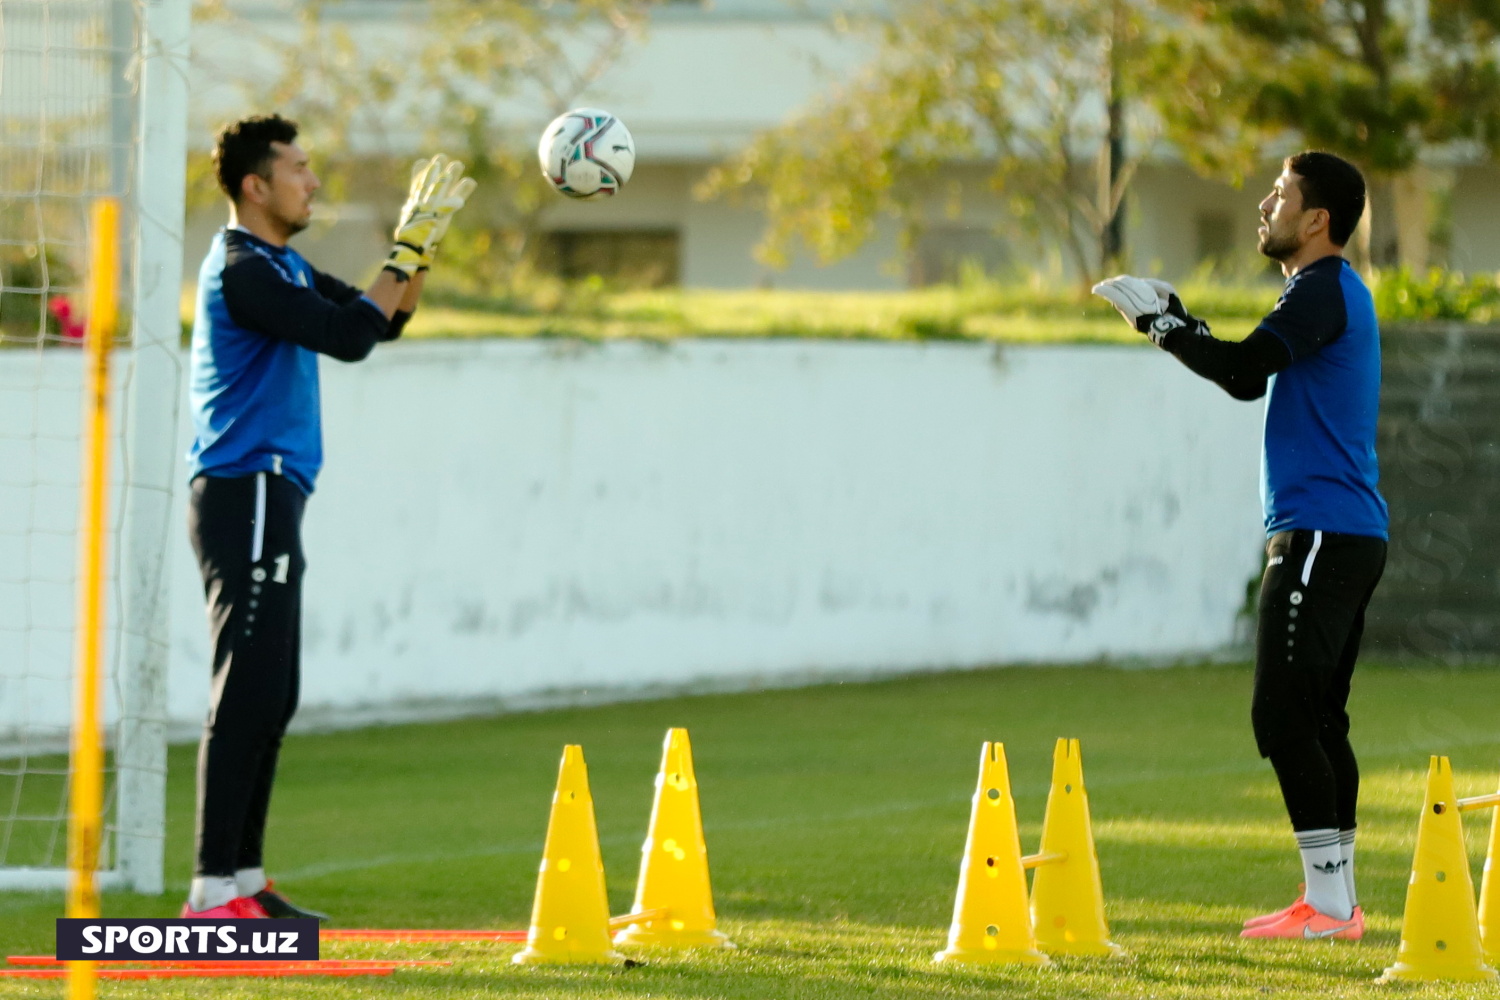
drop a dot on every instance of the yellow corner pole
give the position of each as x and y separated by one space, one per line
86 767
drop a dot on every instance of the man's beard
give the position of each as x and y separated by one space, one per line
1279 248
292 225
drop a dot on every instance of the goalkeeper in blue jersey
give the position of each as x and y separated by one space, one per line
264 314
1316 359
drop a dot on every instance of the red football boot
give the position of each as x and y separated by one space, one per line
1305 922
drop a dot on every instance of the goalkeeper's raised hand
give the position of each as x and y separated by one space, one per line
453 194
438 190
1149 305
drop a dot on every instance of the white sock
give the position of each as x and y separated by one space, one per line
250 880
1323 868
209 891
1346 852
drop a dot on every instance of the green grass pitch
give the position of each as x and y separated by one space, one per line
835 818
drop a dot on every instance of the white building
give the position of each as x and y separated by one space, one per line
705 79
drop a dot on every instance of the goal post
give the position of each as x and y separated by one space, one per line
93 103
152 463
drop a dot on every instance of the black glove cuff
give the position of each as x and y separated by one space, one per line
1158 326
1194 324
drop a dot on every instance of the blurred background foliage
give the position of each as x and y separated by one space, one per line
1056 101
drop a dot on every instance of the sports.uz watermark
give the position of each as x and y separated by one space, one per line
139 940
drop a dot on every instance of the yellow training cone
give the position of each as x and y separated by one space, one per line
570 917
990 922
1489 894
1440 931
1067 898
674 861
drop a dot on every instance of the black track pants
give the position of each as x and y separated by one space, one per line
247 536
1313 598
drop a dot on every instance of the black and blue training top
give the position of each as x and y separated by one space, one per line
1317 355
263 316
1318 468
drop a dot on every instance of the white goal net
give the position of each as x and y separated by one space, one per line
92 104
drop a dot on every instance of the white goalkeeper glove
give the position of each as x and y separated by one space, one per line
1149 305
438 189
455 193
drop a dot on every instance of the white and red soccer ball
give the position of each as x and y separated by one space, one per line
587 153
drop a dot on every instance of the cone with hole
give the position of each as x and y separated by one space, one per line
674 861
1489 895
1067 898
1440 930
990 921
570 915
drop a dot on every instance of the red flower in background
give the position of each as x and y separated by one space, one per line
72 325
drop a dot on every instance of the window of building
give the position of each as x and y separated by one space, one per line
632 258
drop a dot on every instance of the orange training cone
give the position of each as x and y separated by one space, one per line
990 922
674 861
1440 931
1067 898
1489 895
570 917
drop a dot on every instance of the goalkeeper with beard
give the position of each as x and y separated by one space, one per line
263 316
1316 359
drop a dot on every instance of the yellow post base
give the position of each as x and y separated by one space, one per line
1067 899
1058 943
1440 928
996 956
666 933
991 925
1420 973
570 917
674 861
1489 895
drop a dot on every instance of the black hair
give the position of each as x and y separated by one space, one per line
244 148
1334 184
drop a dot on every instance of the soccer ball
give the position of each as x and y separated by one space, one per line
586 153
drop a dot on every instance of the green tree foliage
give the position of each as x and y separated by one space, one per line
444 75
1029 90
1378 81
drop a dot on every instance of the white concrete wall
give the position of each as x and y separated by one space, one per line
529 521
503 520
